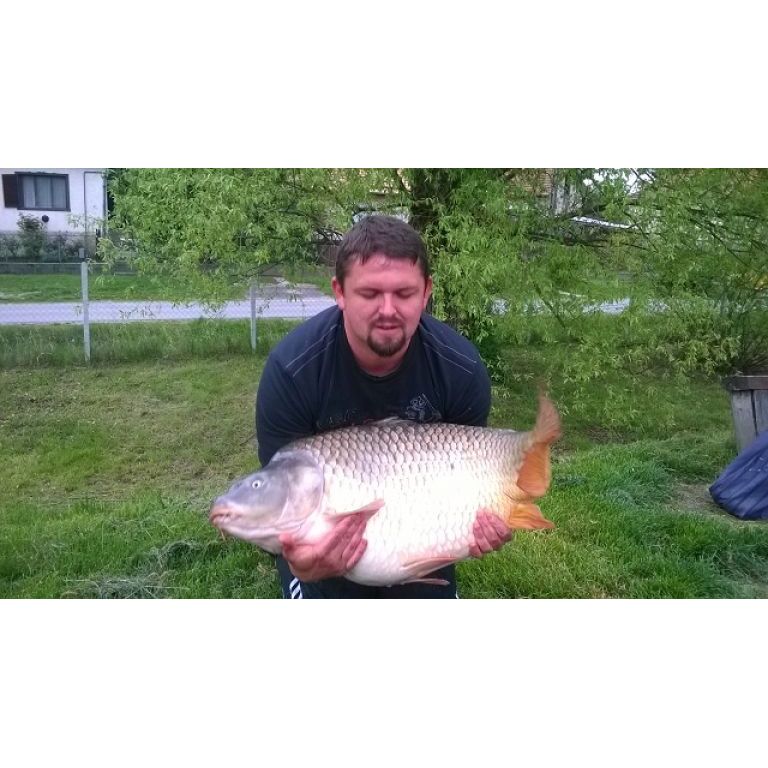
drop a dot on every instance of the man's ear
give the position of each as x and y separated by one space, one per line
338 292
427 292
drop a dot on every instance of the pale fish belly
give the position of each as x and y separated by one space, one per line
433 479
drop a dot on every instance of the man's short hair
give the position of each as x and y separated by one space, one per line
381 234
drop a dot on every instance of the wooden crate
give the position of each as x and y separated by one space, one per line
749 406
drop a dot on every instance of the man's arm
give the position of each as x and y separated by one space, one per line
282 412
472 405
335 554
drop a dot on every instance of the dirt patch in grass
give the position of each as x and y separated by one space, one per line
604 435
695 498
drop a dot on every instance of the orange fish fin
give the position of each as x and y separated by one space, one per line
436 582
534 475
547 428
516 494
526 517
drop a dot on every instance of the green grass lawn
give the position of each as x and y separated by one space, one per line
62 345
63 287
107 473
32 288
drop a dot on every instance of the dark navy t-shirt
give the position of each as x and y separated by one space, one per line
311 383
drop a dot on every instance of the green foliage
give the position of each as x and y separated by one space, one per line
692 266
703 235
688 249
496 247
31 237
208 227
35 244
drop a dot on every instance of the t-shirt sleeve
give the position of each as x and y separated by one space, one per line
281 411
472 405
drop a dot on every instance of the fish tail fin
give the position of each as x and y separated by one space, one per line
526 516
534 475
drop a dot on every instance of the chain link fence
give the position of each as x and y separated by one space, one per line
85 294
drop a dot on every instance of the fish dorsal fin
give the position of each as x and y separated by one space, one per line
390 421
547 427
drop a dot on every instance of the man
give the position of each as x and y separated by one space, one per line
375 355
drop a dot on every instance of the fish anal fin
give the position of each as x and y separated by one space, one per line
524 516
422 566
534 475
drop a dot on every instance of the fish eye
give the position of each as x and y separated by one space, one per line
256 484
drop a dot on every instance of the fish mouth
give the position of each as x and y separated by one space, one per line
220 515
231 520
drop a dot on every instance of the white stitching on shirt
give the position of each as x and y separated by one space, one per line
307 362
452 362
443 344
309 348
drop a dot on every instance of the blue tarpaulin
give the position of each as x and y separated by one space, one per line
742 488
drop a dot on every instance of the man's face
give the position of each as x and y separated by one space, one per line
382 301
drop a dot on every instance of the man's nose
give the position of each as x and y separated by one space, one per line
387 304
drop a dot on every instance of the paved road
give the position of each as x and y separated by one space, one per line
287 305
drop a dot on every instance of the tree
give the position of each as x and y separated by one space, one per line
209 227
521 257
492 234
502 241
703 236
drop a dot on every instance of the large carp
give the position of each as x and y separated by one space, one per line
425 483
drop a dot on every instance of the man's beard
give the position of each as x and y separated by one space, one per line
386 348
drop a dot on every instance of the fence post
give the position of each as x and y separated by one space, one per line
749 406
253 315
86 324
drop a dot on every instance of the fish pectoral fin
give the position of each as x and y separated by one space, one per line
524 516
534 475
369 509
436 582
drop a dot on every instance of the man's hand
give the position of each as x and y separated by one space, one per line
490 532
333 555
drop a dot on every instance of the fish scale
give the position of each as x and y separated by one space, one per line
428 482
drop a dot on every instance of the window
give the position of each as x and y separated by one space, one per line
43 191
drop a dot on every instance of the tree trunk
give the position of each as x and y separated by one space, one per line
431 190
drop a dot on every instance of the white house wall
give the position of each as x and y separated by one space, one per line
86 195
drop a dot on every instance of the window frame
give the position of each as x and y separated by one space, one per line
20 175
